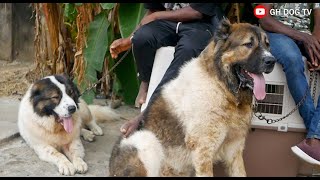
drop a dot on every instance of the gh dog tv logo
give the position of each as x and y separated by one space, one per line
260 11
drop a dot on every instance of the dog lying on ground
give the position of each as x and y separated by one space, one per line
52 117
202 116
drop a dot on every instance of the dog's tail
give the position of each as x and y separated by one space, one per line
103 113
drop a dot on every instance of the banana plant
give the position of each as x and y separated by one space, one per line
129 17
114 20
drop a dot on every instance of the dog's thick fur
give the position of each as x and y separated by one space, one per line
204 114
42 112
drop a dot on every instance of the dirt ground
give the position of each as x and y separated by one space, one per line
13 80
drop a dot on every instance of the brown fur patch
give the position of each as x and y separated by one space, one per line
164 124
45 96
206 167
169 171
126 165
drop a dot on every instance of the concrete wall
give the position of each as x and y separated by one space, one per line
23 32
6 31
16 32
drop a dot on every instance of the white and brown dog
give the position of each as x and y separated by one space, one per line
51 119
202 116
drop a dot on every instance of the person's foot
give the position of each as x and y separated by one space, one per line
308 150
132 125
142 95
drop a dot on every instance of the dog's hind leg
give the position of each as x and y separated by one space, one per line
141 154
234 159
204 144
75 152
125 162
52 155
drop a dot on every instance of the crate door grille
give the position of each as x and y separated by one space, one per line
273 103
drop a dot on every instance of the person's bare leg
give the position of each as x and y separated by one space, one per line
127 128
142 95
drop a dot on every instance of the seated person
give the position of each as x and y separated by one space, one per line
187 26
290 39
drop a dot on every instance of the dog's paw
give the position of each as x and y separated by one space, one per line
66 168
80 165
88 135
97 130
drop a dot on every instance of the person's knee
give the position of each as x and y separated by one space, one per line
143 36
187 51
294 61
286 52
280 43
192 45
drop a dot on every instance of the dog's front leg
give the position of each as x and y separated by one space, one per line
234 159
204 146
75 153
236 167
203 166
52 155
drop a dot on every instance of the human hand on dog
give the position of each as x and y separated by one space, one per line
118 46
129 127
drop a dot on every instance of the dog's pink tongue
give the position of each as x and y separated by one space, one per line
67 124
259 85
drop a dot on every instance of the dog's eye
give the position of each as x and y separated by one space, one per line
55 97
248 45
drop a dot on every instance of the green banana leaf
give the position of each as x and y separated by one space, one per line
97 41
127 76
129 17
94 53
100 36
90 76
70 12
107 5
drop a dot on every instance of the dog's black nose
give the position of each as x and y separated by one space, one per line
269 60
72 109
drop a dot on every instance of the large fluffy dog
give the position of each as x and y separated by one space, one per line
51 117
204 114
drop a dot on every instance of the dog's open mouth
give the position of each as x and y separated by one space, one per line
67 123
255 82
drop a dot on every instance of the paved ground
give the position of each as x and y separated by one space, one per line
8 117
17 159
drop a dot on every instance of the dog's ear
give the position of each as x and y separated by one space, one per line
223 31
76 89
73 85
65 75
37 88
